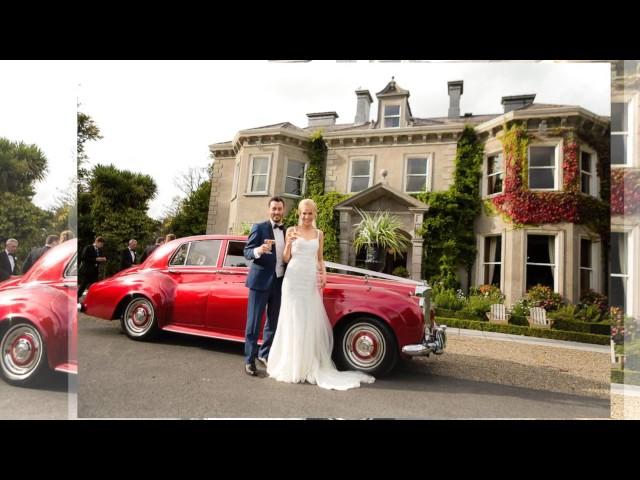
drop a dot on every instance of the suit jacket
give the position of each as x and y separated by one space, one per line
89 267
125 260
148 251
5 267
263 269
33 256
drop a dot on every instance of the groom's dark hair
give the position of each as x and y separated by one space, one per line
276 199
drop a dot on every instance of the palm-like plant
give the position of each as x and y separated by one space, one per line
380 231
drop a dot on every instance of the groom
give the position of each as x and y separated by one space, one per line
265 284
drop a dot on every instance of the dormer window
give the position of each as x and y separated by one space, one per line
391 116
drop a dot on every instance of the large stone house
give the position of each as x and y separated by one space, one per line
383 159
625 179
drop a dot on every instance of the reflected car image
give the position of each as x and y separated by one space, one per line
196 285
38 313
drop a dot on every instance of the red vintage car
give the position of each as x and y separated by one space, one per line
38 314
196 285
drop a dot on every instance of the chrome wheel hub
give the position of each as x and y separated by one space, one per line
21 351
364 346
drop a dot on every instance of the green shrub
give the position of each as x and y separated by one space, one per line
448 299
477 306
520 309
543 296
590 313
400 272
526 331
518 320
488 291
591 297
442 312
565 312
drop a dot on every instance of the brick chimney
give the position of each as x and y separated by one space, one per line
363 107
517 101
455 92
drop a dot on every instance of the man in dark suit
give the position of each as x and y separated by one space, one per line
90 259
265 247
36 253
8 260
128 258
150 249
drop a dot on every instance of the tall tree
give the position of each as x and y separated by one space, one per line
88 130
191 218
21 166
118 204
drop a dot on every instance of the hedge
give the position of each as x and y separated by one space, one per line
526 331
443 312
626 376
564 325
585 327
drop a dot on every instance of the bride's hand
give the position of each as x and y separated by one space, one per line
291 236
322 281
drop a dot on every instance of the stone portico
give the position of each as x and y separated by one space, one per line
381 197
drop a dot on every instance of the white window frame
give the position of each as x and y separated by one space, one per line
594 279
557 177
236 180
428 173
632 268
269 158
630 132
371 161
594 184
285 176
482 263
385 116
559 258
485 175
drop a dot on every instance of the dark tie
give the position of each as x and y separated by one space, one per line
281 227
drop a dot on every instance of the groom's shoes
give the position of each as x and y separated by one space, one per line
250 369
263 361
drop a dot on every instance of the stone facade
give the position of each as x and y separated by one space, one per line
379 161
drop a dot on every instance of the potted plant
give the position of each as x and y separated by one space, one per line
379 233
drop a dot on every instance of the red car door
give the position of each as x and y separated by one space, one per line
193 268
227 307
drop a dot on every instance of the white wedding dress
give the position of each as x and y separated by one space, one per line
302 346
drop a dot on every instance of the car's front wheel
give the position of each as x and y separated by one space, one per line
366 344
139 319
24 355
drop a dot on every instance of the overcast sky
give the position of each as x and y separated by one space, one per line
38 106
158 117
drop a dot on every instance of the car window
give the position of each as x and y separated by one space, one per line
180 255
235 255
72 268
204 253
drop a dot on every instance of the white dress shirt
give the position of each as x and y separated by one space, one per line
11 260
279 238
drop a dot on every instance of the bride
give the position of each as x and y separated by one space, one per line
302 346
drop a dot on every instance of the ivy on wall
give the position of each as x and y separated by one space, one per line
449 238
625 192
521 206
328 219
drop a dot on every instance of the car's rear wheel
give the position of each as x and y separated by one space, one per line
24 355
366 344
139 319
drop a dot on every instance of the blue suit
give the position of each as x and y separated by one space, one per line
265 290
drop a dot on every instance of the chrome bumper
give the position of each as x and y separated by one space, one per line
435 341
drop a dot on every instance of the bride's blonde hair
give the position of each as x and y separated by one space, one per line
307 202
